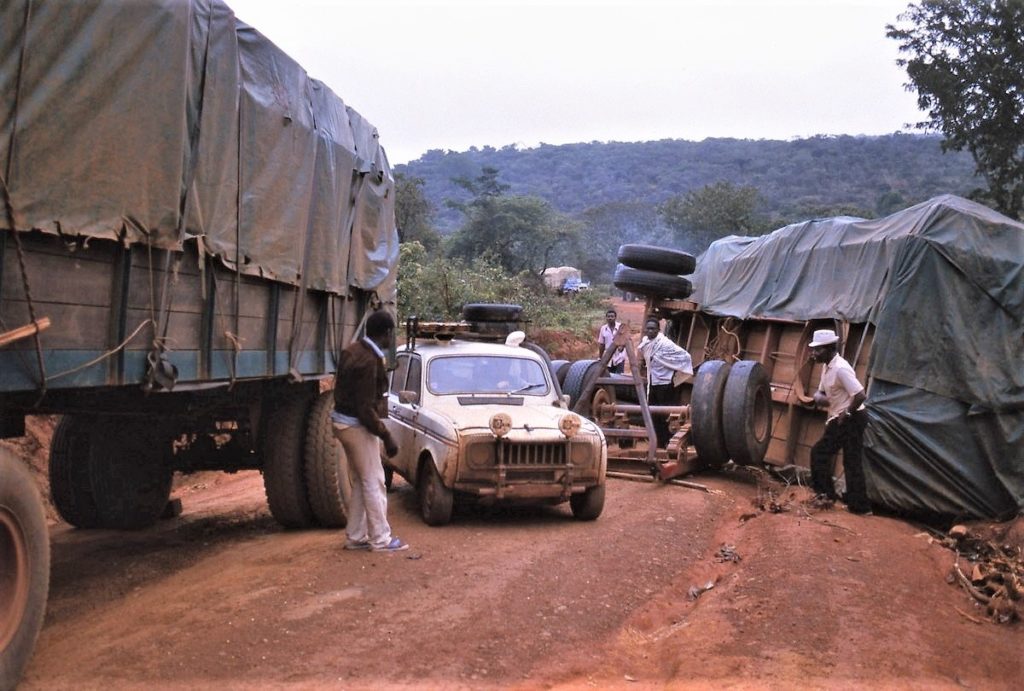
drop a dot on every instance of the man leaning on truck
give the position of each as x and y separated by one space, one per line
360 404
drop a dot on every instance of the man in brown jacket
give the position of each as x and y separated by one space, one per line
360 406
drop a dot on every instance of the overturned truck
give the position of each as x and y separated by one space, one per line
192 229
929 303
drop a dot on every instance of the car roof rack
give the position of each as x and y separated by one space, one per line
443 331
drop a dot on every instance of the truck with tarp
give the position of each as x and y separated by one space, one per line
192 229
929 306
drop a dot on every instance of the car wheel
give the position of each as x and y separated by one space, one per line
651 283
706 412
588 505
436 500
660 259
747 405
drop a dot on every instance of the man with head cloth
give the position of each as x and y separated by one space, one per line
668 365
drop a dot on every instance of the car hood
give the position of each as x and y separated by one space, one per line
524 418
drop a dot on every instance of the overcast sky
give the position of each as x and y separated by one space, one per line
462 73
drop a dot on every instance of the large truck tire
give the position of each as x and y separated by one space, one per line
651 283
327 477
130 471
580 372
747 407
24 567
284 477
70 483
706 412
659 259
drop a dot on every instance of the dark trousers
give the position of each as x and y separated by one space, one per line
846 434
662 394
616 369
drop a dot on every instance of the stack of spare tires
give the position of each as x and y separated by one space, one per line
656 272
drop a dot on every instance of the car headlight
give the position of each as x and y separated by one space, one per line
569 425
481 454
581 453
500 424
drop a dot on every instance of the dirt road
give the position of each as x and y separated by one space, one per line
221 596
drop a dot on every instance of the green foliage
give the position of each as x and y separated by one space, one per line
414 212
714 211
434 289
521 233
967 65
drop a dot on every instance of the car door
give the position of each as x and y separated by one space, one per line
401 420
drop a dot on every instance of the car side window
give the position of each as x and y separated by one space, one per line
400 373
415 370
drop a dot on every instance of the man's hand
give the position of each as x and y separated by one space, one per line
390 448
820 399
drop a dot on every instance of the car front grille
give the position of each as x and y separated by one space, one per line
520 454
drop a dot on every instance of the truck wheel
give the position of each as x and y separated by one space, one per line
491 312
748 408
588 505
70 486
24 567
130 471
326 469
560 368
651 283
576 378
284 480
706 412
436 500
660 259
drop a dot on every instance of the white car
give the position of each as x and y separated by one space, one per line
487 420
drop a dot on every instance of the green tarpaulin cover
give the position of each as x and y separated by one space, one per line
943 283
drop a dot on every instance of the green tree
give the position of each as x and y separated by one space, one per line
414 213
966 62
521 233
712 212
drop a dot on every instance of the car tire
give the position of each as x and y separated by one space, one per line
436 500
588 505
747 405
706 420
659 259
326 469
651 283
491 312
25 575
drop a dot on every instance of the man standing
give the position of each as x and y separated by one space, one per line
360 404
668 365
605 336
844 396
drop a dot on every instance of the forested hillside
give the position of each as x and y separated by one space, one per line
798 179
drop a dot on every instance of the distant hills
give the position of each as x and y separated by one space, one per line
798 179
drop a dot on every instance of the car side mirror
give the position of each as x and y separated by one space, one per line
565 400
408 397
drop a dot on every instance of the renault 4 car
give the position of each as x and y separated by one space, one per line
487 421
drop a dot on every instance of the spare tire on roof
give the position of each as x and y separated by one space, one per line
651 283
491 312
660 259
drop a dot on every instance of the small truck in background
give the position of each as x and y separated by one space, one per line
192 229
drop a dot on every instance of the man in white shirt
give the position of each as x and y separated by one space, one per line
668 366
844 397
605 336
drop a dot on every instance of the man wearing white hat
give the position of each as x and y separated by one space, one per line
844 396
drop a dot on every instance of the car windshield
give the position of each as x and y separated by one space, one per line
465 374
